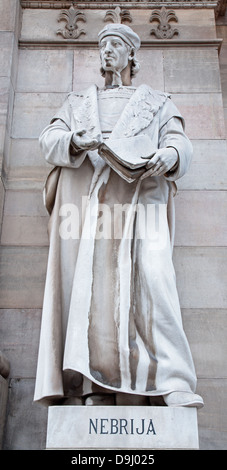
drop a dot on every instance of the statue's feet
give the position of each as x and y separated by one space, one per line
183 399
100 399
126 399
75 401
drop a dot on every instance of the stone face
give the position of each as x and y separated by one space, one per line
119 427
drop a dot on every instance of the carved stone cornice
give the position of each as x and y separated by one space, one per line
218 5
155 43
162 33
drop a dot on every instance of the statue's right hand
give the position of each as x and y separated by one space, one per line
83 142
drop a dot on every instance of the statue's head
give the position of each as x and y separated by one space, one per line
118 44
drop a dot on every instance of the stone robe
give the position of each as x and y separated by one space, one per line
111 315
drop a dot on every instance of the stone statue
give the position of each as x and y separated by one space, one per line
111 328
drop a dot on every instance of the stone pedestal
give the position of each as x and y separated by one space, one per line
119 427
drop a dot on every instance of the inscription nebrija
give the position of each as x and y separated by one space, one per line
121 426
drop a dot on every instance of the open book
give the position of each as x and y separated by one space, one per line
128 156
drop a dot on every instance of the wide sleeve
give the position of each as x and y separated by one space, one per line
172 134
56 141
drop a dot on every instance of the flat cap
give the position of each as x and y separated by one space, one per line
122 31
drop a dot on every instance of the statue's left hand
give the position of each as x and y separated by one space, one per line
163 161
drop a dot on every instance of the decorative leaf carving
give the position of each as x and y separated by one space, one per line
71 30
164 30
118 16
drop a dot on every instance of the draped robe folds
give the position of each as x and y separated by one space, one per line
111 316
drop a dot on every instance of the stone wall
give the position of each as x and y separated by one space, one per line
34 81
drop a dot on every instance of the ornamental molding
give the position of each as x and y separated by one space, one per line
71 29
118 16
219 5
162 33
164 17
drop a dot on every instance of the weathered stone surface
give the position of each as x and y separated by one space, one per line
3 404
45 71
201 276
26 421
212 418
225 117
186 71
4 98
151 67
25 219
24 231
208 167
20 343
196 23
2 197
206 332
86 66
6 55
119 427
27 168
201 218
8 11
28 106
24 203
221 32
203 114
23 272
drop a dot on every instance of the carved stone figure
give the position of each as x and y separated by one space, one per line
111 327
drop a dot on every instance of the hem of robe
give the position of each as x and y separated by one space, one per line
50 400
